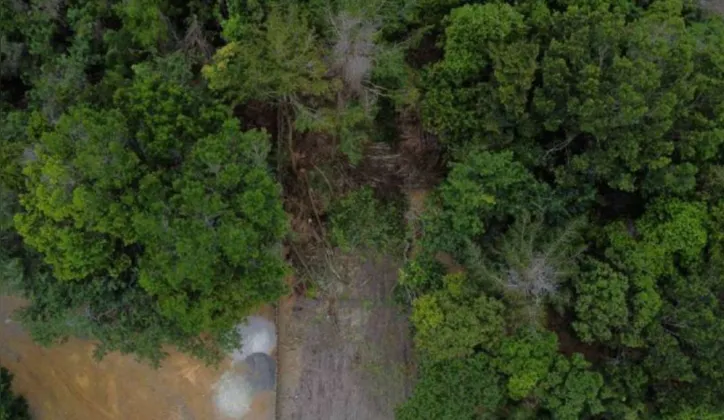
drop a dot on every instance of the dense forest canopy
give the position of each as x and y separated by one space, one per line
156 155
582 205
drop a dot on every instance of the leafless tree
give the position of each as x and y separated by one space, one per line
532 266
11 54
353 49
194 41
51 8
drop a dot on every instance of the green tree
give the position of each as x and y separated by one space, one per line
209 240
450 324
455 389
625 94
478 91
670 232
161 202
602 310
482 188
279 60
525 359
360 220
146 21
571 390
12 407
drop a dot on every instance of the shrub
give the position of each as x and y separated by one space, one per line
359 220
12 407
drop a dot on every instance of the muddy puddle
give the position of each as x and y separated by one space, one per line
65 383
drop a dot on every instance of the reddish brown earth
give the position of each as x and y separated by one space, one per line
65 383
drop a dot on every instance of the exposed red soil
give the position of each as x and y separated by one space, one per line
64 382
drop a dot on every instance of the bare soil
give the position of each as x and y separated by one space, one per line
65 382
716 6
344 354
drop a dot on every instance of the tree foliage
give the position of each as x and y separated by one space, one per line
276 60
143 215
361 220
602 308
470 383
163 192
315 64
449 324
606 115
481 188
12 407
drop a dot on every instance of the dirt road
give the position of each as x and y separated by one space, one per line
345 354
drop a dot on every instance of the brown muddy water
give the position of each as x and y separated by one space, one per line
65 382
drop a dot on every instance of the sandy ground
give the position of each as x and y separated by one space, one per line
345 354
65 383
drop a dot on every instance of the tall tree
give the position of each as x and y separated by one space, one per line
159 202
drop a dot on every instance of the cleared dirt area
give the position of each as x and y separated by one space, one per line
65 383
345 354
716 6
